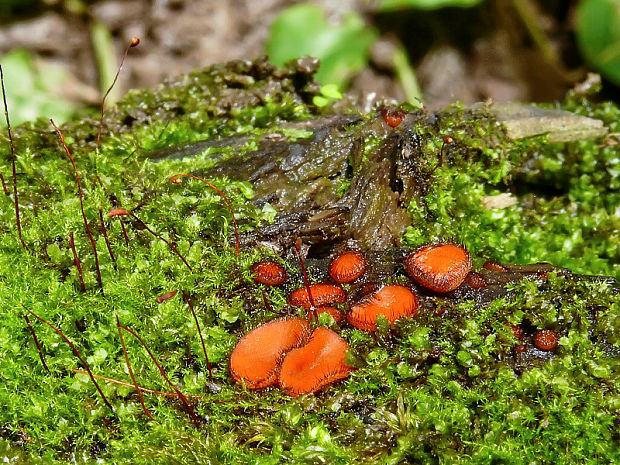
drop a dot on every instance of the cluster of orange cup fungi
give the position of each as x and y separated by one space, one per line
289 353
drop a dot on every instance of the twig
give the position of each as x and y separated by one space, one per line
163 373
123 212
36 341
305 275
76 260
175 179
75 351
105 235
6 189
79 184
13 158
204 349
143 389
134 43
133 378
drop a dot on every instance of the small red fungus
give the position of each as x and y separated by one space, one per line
439 267
322 294
268 272
475 280
392 116
257 356
517 331
546 339
494 266
520 348
347 266
118 212
317 364
392 301
166 296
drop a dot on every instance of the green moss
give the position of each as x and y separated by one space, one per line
566 200
434 389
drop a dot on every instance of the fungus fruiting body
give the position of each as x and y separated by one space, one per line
546 339
392 301
269 273
494 266
256 358
439 267
475 280
322 294
316 364
393 117
347 266
166 296
517 331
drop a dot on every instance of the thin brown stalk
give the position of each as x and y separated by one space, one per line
202 341
305 275
76 260
75 351
133 378
163 373
268 305
36 341
119 212
6 189
81 195
170 244
134 43
124 231
105 235
130 385
446 140
175 179
13 159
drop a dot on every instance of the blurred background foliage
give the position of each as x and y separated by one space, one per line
60 55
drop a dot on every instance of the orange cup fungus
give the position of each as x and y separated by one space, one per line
546 339
322 294
268 272
315 365
392 301
347 266
392 116
439 267
257 356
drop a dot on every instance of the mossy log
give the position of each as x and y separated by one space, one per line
517 185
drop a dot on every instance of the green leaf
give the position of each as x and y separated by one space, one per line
303 30
598 35
32 89
387 5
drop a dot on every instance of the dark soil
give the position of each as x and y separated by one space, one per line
458 54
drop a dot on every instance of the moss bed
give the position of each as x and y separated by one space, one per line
444 387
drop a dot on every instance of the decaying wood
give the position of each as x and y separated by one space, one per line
302 178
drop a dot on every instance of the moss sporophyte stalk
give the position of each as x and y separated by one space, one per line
515 361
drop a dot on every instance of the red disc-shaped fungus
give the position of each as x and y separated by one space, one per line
392 301
268 272
393 117
257 356
439 267
322 293
347 266
475 280
316 364
546 339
